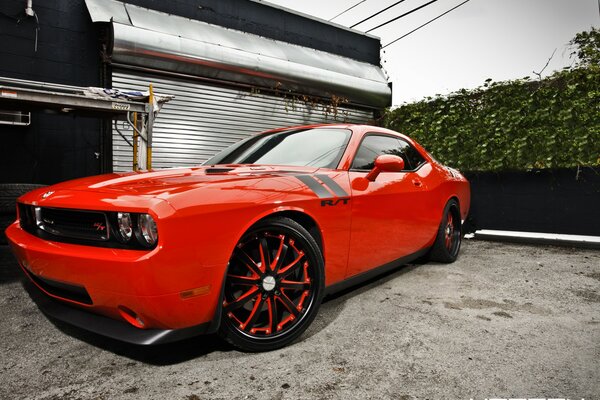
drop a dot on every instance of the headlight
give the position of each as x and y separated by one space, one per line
147 232
125 227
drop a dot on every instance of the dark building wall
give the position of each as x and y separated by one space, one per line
58 147
54 147
550 201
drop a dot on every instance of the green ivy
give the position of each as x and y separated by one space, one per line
521 124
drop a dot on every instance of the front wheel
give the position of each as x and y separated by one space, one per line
447 242
274 286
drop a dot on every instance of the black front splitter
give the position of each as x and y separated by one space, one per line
112 328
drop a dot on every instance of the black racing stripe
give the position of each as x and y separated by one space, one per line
337 189
315 186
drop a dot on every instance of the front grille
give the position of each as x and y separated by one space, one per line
83 227
67 223
77 224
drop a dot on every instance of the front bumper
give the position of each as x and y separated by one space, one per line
153 284
109 327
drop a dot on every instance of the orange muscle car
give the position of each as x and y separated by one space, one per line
245 245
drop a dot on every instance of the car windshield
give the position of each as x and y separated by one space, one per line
314 147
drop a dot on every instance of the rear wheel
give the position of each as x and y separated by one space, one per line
447 243
274 286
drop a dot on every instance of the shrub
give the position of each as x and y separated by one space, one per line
514 125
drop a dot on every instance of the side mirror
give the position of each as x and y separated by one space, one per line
385 163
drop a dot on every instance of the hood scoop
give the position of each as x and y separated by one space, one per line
218 170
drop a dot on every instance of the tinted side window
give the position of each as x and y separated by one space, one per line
411 156
373 146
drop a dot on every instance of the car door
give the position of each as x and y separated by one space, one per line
388 215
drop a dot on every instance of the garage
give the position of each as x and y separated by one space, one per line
204 119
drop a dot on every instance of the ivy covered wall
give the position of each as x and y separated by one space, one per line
522 124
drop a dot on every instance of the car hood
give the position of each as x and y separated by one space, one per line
178 187
169 184
164 183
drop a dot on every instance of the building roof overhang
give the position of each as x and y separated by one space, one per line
152 39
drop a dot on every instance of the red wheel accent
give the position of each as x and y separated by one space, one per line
269 284
449 232
447 240
451 236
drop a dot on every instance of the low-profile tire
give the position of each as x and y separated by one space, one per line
447 242
273 287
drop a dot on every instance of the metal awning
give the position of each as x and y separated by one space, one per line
63 98
139 111
147 38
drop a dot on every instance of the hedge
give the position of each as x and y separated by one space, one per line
514 125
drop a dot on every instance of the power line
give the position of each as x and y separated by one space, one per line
348 9
426 23
377 13
401 16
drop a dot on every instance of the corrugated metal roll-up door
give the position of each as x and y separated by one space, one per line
204 119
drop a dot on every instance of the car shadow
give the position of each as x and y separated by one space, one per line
158 355
333 304
193 348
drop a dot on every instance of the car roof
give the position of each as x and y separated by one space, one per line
361 128
294 127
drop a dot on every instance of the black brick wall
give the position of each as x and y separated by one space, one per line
54 147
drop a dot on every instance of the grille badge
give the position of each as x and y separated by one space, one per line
47 194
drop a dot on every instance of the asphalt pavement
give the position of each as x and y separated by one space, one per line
504 321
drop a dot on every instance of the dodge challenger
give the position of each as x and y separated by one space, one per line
247 244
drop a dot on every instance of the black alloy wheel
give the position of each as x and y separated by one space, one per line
273 287
447 243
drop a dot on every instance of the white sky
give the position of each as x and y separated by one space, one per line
498 39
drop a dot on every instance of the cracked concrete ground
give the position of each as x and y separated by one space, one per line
503 321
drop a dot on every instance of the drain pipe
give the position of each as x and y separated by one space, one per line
30 13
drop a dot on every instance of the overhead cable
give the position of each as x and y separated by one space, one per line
402 16
348 9
377 13
426 23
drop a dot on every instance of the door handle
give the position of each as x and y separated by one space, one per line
417 183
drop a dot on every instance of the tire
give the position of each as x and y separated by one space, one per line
447 242
10 192
273 287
